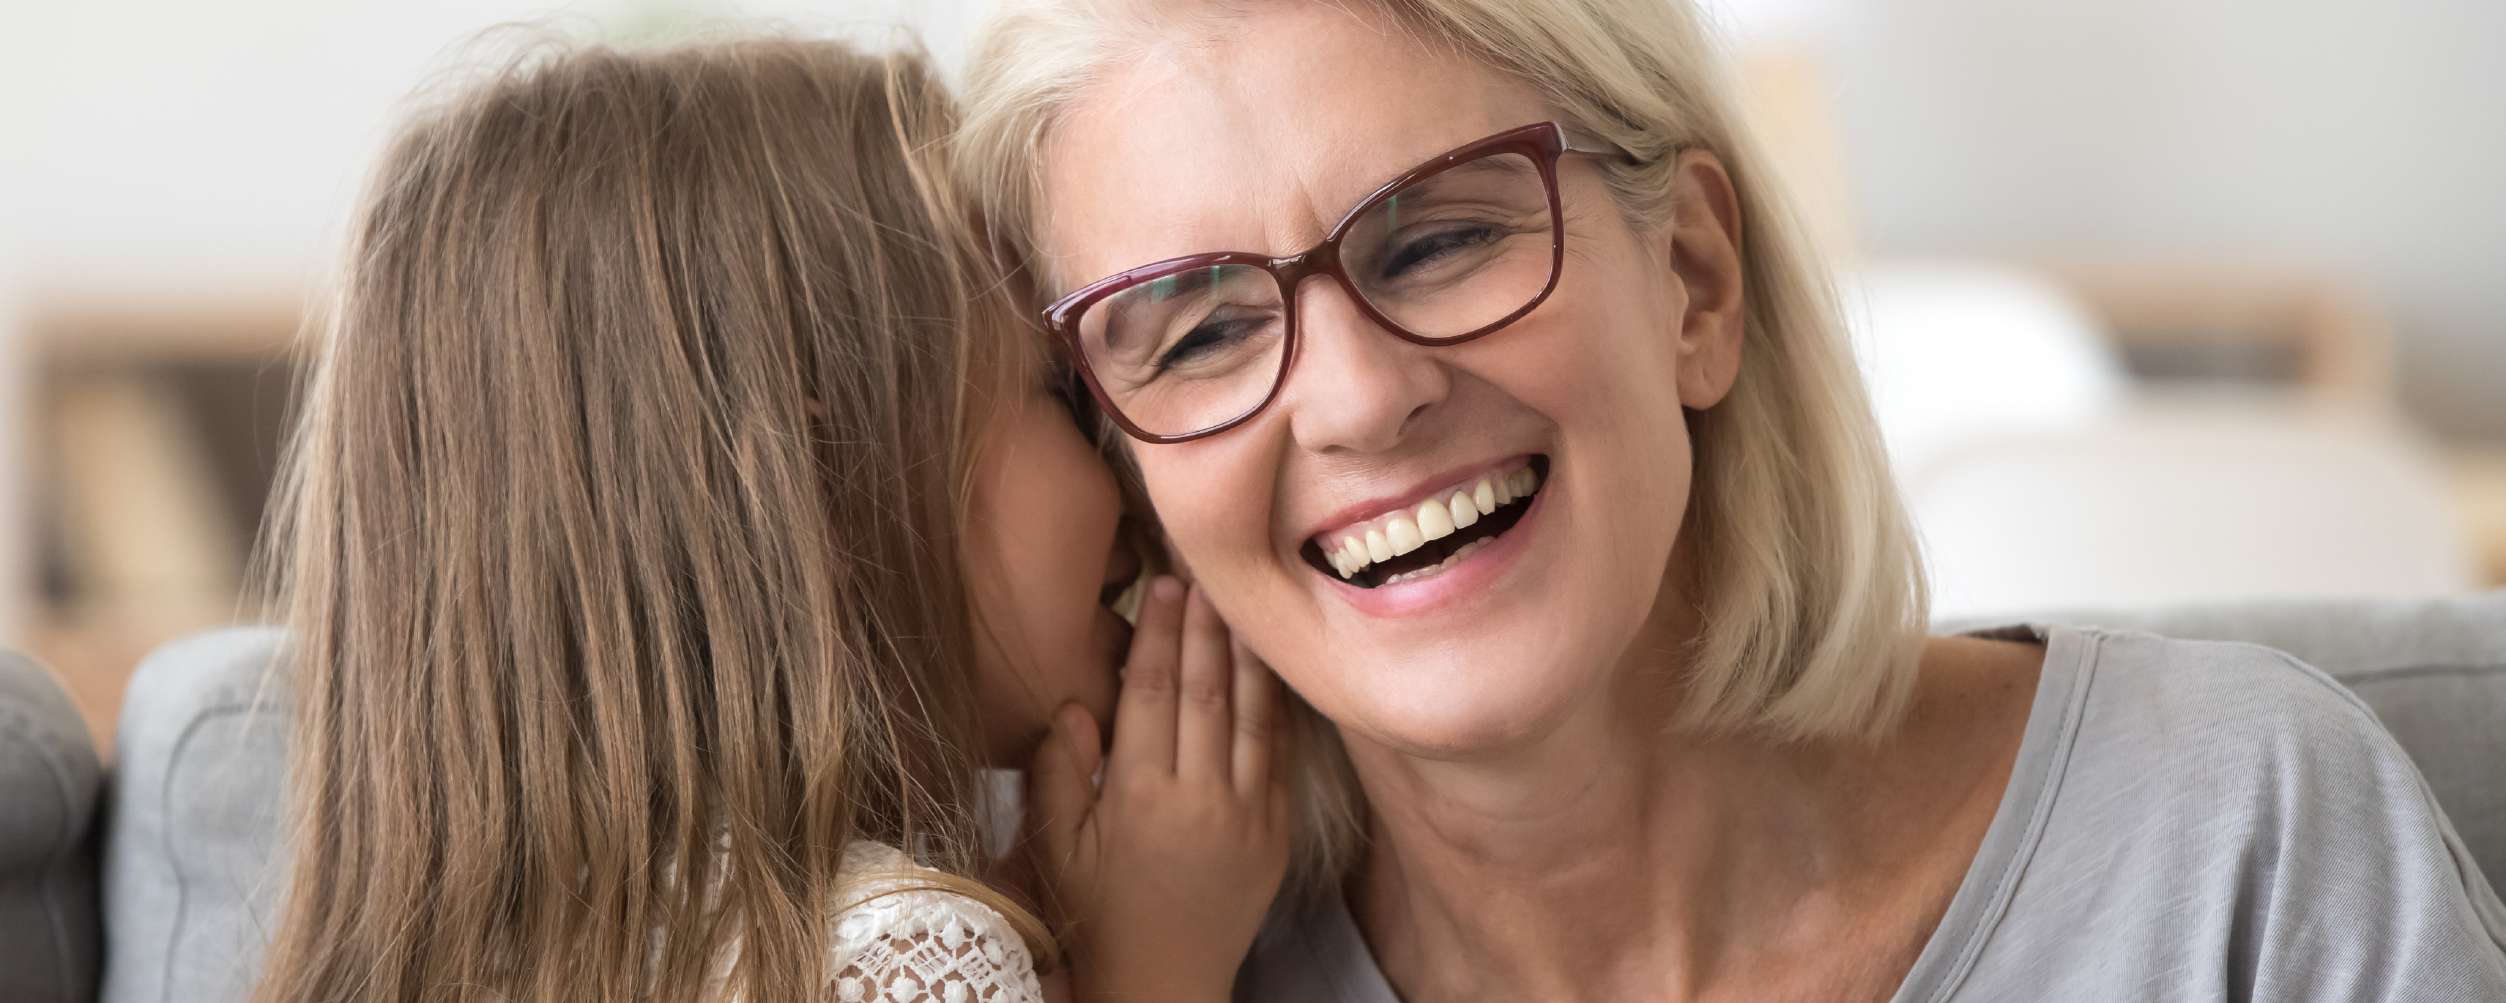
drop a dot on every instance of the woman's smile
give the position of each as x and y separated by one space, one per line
1421 551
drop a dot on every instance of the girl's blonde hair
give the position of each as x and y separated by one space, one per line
619 536
1812 594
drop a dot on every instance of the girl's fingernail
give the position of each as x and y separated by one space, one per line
1167 588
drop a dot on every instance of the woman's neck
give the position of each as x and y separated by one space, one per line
1611 853
1594 850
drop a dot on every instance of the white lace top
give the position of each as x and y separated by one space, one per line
902 941
898 939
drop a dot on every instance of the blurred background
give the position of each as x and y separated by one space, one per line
2162 300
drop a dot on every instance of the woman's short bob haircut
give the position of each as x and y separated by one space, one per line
1811 590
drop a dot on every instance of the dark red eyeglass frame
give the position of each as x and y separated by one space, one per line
1543 143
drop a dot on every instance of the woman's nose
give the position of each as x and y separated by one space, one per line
1355 387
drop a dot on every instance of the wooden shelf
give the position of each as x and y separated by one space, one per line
93 333
2303 328
148 432
2480 494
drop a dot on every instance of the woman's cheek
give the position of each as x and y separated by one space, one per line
1214 506
1187 485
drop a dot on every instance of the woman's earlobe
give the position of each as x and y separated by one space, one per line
1708 371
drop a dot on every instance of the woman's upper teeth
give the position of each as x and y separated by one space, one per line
1351 548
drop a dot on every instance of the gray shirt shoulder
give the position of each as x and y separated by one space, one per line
2214 821
2185 821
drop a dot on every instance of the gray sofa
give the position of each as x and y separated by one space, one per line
155 883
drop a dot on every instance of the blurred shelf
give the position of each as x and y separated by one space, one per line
2203 322
149 430
2480 493
92 332
2224 324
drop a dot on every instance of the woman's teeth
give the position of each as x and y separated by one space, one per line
1429 572
1355 548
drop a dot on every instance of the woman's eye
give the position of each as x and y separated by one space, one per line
1203 340
1438 245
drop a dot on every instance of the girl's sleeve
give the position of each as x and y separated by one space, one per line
920 945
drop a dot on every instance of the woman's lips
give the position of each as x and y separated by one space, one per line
1435 530
1438 514
1460 479
1459 577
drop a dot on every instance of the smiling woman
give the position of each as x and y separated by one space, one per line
1815 612
1548 482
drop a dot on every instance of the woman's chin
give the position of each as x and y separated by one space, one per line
1454 739
1445 712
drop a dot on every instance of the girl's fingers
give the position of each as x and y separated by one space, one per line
1058 793
1202 719
1144 715
1256 721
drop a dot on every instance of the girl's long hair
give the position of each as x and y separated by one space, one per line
617 540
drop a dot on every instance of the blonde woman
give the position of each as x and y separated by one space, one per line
1473 368
674 531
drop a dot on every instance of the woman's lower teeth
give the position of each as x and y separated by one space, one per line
1439 568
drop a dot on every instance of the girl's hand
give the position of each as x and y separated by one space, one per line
1164 872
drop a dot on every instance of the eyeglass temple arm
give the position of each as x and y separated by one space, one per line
1578 141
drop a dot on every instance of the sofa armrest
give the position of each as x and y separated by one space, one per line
193 866
50 783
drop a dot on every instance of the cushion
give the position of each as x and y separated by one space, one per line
2224 499
190 874
50 782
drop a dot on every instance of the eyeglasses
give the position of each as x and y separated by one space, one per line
1452 250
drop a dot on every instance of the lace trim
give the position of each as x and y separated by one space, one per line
903 943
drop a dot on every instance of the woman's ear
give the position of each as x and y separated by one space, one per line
1705 254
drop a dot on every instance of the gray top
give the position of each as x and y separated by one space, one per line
2185 821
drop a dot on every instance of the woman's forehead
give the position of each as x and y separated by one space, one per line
1259 145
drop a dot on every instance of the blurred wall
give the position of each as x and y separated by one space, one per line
2367 140
173 148
186 168
178 148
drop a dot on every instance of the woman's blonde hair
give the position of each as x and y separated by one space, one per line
1811 592
619 536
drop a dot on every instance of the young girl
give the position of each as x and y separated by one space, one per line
676 526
